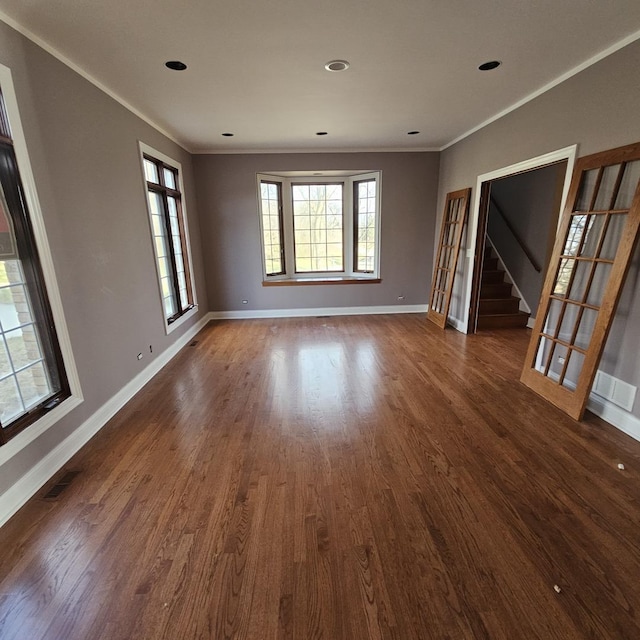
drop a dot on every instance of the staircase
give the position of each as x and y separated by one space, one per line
498 308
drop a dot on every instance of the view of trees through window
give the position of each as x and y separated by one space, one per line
317 222
365 226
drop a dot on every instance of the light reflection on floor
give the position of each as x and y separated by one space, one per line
325 376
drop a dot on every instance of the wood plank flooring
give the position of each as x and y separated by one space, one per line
354 478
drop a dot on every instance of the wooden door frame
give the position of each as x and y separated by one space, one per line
478 217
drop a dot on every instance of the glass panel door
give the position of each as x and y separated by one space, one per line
593 249
455 214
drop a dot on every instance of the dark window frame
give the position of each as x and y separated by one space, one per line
35 284
283 263
165 192
356 218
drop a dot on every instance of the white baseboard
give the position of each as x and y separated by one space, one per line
319 311
458 325
608 411
24 488
531 322
614 415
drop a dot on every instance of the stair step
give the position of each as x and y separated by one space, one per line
495 290
488 251
490 264
503 320
499 305
493 276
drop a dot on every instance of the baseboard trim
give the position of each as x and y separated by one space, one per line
252 314
458 325
29 484
619 418
611 413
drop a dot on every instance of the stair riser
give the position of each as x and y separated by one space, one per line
492 277
506 305
490 264
500 290
502 322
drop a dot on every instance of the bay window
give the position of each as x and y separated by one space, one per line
320 227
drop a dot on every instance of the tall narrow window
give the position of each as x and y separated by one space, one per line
170 239
271 207
365 220
33 379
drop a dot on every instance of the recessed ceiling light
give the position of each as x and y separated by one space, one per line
321 133
488 66
336 65
412 133
228 135
175 65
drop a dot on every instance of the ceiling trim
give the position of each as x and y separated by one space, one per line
215 152
87 76
554 83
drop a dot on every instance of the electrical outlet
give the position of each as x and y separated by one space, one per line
140 356
245 302
400 297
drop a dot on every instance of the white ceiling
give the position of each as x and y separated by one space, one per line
256 68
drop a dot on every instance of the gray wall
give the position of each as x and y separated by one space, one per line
598 110
530 204
231 235
84 152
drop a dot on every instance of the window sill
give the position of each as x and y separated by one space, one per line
180 320
297 282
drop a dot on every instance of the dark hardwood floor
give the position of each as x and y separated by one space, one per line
339 478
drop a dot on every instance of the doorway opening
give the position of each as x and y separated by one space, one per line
512 229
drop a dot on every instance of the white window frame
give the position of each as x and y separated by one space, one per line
33 431
158 155
347 179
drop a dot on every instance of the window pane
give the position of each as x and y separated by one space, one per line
10 403
317 209
628 185
365 220
169 307
151 171
155 203
33 383
270 206
169 178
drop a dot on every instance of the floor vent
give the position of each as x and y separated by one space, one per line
61 485
193 344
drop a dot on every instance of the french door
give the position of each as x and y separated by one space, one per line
455 214
595 242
